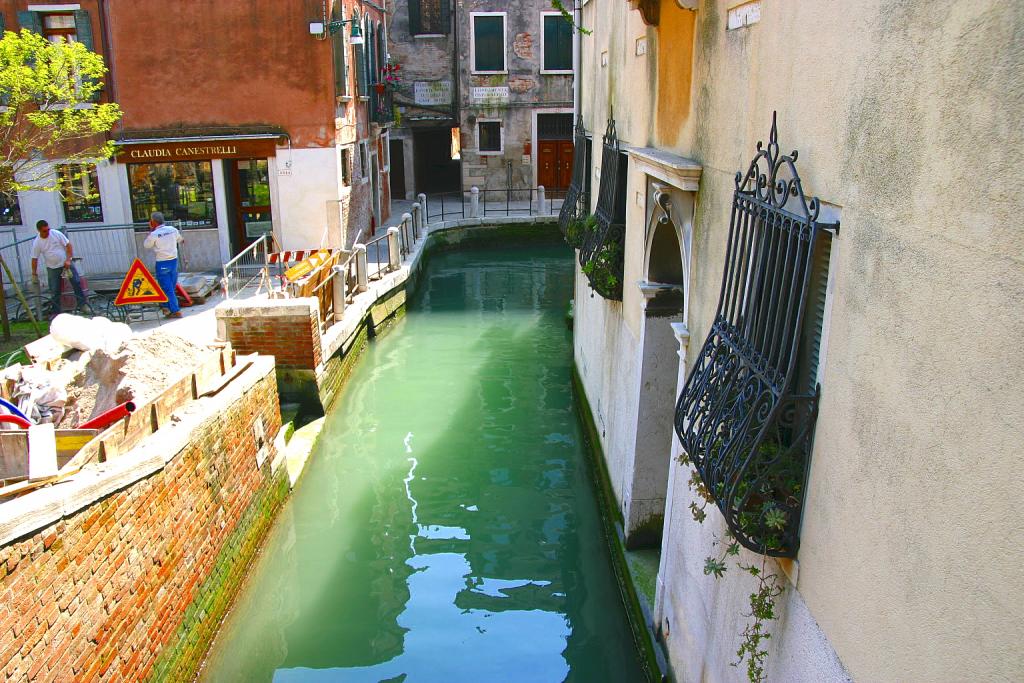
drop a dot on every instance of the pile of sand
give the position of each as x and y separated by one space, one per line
138 370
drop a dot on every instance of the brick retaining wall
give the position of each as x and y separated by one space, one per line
134 584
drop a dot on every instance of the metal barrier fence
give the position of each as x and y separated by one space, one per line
378 258
250 268
477 203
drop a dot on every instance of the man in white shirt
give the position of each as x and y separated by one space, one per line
55 250
164 241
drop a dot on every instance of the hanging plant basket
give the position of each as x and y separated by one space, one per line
380 88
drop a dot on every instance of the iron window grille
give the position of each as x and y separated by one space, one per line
603 246
429 17
576 204
745 417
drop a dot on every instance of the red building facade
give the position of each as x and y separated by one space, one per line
240 117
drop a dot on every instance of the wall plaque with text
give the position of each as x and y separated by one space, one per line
432 93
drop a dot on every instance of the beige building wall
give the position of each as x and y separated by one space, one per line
907 118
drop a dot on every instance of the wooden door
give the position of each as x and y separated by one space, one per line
565 154
547 170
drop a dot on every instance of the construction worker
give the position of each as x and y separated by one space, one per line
164 241
55 250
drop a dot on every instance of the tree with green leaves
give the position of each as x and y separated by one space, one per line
51 92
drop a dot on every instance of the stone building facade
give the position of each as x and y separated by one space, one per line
240 119
487 94
903 116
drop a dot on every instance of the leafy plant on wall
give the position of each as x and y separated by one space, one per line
567 15
768 585
49 91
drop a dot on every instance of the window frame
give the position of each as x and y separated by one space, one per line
472 41
63 32
501 138
346 167
364 162
544 15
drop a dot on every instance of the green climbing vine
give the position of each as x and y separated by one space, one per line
567 15
767 590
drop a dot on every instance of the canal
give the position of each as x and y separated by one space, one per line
447 527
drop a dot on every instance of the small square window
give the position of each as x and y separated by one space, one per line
489 136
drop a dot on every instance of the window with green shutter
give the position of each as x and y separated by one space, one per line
488 42
557 43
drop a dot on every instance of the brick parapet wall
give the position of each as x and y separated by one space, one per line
134 584
287 329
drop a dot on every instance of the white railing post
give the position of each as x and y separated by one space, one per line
474 202
416 217
540 200
394 255
362 273
422 199
339 291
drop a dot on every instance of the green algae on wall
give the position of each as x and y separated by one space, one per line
181 657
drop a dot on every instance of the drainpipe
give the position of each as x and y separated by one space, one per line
577 58
456 77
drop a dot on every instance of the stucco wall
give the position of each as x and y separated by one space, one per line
905 116
223 63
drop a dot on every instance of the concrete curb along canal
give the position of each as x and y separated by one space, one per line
637 610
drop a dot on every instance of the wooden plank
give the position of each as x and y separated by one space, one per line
45 350
13 454
216 387
42 452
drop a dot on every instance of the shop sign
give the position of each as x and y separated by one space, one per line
190 151
491 94
432 93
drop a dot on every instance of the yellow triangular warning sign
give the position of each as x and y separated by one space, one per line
139 287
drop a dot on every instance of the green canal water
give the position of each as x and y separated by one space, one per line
447 528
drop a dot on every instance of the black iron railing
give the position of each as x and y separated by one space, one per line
603 245
576 204
743 421
382 103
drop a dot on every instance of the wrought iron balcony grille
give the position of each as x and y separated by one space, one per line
576 204
602 251
743 421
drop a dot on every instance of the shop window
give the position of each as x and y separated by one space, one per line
488 42
346 167
80 193
10 210
489 137
429 17
182 191
557 44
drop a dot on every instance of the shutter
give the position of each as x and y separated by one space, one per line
340 67
83 27
360 70
446 16
33 21
814 317
3 23
83 30
415 25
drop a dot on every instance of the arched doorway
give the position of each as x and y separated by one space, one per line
664 289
